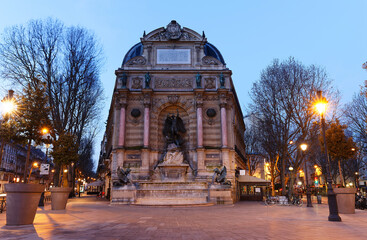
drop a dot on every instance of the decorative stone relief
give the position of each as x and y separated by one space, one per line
135 98
173 99
210 83
212 155
211 112
210 61
134 115
173 83
137 61
133 156
211 98
188 37
211 115
137 83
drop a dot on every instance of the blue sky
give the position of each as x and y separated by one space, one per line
249 34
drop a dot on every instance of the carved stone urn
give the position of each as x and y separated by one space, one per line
22 202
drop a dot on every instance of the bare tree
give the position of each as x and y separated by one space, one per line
254 151
282 101
69 59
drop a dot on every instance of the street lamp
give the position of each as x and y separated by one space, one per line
308 190
291 183
34 165
357 180
320 106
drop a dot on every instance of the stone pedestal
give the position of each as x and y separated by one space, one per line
345 198
123 195
173 172
220 194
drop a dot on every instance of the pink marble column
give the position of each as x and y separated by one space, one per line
223 118
199 113
146 126
122 126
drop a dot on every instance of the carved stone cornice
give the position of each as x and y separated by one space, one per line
223 104
199 97
121 102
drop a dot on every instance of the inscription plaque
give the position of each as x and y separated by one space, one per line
173 56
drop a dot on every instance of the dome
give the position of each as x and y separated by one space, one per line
212 51
209 50
136 50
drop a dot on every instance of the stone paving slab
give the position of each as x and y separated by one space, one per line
88 219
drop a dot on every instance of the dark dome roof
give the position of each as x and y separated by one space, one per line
136 50
212 51
209 50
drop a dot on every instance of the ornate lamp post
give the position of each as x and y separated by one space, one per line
308 190
34 165
291 182
320 106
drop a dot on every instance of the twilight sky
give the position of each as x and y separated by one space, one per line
249 34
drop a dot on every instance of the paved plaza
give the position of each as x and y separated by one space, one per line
88 218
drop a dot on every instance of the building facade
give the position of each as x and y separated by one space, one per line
174 95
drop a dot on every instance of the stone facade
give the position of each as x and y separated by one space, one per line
174 70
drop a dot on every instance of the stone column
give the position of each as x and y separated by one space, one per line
199 130
223 118
145 157
199 115
146 125
122 131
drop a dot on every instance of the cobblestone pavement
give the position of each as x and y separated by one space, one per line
86 218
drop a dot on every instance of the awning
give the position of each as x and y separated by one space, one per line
96 183
251 179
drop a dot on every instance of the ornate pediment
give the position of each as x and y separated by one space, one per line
207 60
173 31
139 60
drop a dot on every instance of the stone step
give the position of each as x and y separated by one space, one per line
171 201
172 186
171 193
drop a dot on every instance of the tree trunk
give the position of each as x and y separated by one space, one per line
1 150
341 174
282 176
60 176
27 161
291 183
249 166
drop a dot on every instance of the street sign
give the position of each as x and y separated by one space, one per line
44 169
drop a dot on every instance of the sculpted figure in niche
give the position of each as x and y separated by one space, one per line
123 80
173 132
221 80
198 80
147 80
173 129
